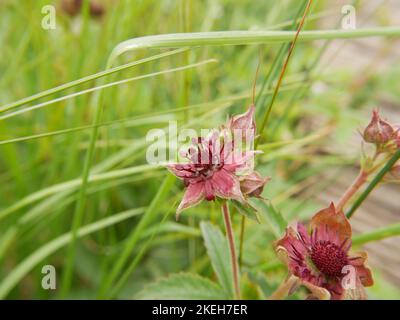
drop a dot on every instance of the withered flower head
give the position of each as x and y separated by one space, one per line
378 130
322 259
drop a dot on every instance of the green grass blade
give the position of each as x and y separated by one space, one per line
379 234
95 76
148 216
216 38
22 269
101 87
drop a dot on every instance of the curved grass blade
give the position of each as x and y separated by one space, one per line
101 87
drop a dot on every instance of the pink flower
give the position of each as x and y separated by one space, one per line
321 258
207 175
216 169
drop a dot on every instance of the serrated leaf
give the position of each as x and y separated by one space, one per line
246 210
271 215
183 286
218 251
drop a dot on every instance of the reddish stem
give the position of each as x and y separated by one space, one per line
231 242
354 187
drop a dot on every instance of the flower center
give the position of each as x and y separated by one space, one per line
328 258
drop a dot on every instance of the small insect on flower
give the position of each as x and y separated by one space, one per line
321 259
218 166
378 130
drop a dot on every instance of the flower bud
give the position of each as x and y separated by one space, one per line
378 131
253 184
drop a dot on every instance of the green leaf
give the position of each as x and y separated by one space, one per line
218 251
246 210
272 216
183 286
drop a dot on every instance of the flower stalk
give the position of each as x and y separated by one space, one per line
353 188
374 183
232 251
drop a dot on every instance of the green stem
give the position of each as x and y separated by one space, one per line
232 250
286 63
374 183
272 74
379 234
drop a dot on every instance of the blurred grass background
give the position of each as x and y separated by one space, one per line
310 144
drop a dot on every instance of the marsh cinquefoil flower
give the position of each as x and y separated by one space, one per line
321 259
217 167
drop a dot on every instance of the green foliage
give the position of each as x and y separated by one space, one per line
60 105
183 286
218 252
271 216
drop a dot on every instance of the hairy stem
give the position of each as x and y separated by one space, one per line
354 187
231 242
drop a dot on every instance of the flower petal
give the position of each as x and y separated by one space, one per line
226 185
331 225
244 121
193 195
364 273
302 231
292 252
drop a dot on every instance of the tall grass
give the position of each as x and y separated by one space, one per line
74 195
